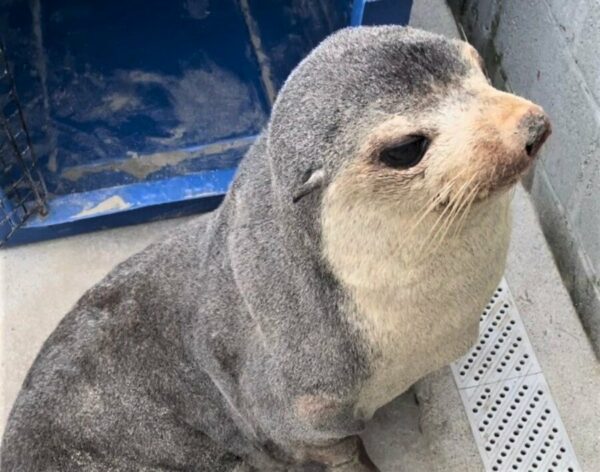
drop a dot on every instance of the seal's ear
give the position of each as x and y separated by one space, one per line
315 180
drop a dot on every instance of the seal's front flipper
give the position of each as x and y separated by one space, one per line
348 455
360 463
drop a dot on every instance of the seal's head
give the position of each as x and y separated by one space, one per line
412 114
400 123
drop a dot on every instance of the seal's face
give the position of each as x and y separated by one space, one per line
404 131
473 141
436 154
415 220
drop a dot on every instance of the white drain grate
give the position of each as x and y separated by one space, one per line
515 422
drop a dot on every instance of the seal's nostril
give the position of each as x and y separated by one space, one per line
538 130
529 148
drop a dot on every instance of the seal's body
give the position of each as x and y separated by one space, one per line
363 234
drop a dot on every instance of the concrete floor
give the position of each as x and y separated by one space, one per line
40 282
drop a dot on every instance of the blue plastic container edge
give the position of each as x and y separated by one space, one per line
358 11
136 203
128 204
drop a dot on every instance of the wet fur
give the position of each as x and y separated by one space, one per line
258 338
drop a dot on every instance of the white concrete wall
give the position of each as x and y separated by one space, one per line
549 52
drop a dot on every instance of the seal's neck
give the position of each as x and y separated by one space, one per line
416 309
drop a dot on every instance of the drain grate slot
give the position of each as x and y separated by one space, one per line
513 417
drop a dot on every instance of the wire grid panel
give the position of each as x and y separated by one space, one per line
513 417
22 190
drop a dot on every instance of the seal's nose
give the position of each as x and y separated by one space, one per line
537 128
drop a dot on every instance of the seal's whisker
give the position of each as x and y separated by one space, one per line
433 230
468 209
435 201
451 205
453 216
458 203
431 204
428 208
427 239
461 204
510 199
462 220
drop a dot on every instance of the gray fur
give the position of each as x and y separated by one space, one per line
192 355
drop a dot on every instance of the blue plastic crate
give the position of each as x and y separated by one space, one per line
141 110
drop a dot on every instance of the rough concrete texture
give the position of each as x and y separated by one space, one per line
433 15
547 50
40 282
562 348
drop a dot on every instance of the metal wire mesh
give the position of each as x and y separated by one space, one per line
22 190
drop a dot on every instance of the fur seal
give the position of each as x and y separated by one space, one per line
363 233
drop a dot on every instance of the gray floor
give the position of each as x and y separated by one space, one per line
40 282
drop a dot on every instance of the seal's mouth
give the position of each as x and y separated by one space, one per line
504 172
509 174
505 180
499 178
503 140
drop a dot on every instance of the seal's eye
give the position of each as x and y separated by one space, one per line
406 154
